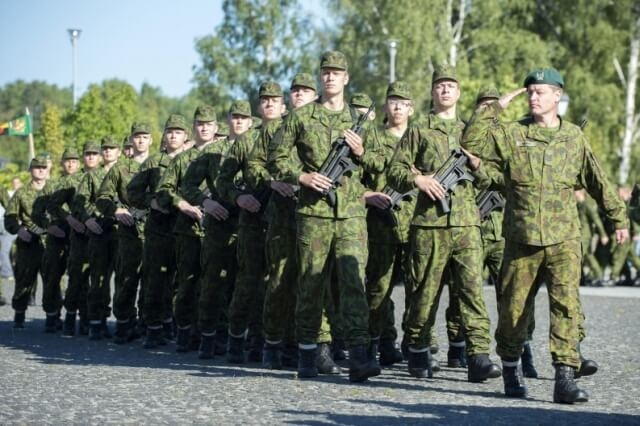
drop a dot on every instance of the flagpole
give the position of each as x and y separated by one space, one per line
32 150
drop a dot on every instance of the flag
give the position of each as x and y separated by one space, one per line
20 126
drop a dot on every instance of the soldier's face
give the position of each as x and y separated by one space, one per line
543 98
141 142
174 139
39 173
398 110
70 166
91 160
271 107
301 95
333 80
110 154
238 124
205 130
445 93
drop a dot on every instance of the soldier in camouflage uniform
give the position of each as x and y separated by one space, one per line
158 252
329 238
59 205
4 202
18 219
439 240
538 161
623 255
54 261
103 244
590 223
112 201
188 231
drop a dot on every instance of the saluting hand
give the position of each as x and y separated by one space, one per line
507 98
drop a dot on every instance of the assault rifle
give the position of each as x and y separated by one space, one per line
488 201
389 214
339 161
452 171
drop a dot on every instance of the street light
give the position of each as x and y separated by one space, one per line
74 34
392 60
563 105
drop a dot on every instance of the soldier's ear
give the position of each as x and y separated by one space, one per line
346 78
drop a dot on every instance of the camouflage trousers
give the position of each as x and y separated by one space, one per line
523 268
219 270
188 249
158 277
493 252
324 245
28 264
102 250
619 255
452 313
54 264
75 298
128 273
431 251
246 307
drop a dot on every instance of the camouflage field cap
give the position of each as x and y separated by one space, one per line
140 127
70 153
544 76
223 129
39 160
487 92
305 80
399 89
126 142
109 142
444 72
360 100
177 121
240 107
270 88
204 113
91 146
333 59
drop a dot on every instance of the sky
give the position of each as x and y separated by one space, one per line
133 40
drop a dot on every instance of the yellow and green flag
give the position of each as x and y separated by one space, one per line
20 126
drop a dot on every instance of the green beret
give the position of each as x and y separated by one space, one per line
240 107
223 129
91 146
270 88
140 127
399 89
305 80
333 59
204 113
444 72
360 100
487 92
39 161
70 153
544 76
177 121
109 142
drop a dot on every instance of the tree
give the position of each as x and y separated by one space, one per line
50 136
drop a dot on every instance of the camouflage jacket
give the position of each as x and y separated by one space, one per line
538 173
491 228
427 145
20 211
310 131
59 204
83 205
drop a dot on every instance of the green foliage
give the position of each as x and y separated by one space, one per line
50 135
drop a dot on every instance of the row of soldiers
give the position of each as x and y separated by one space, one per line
248 239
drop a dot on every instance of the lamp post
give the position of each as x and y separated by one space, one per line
74 34
563 105
393 45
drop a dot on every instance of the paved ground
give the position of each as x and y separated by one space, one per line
45 379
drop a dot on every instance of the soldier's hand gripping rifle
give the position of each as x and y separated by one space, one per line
389 214
452 171
488 201
339 161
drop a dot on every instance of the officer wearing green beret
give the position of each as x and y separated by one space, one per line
539 161
19 219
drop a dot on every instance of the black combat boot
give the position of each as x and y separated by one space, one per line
324 360
95 330
338 348
222 336
435 364
235 350
307 363
290 356
69 327
513 382
272 356
481 368
565 390
123 330
183 338
528 369
588 367
154 338
256 347
372 351
50 323
419 363
83 327
434 348
18 320
168 330
207 346
456 355
389 353
361 367
104 329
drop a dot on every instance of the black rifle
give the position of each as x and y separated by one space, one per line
389 214
452 171
488 201
339 161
